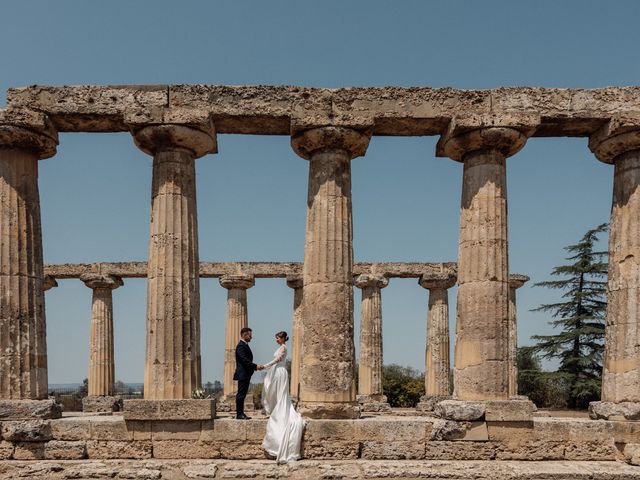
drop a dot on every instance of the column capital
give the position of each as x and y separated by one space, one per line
49 282
103 281
28 130
438 281
198 138
294 281
240 281
517 280
506 134
352 141
368 280
619 135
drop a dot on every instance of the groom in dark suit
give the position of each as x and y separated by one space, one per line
244 369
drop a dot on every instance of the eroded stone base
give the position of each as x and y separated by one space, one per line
427 403
306 469
490 410
329 410
614 411
228 403
187 409
29 409
373 403
106 404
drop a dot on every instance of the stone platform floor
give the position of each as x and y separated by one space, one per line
313 469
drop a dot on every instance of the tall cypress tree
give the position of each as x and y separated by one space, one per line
581 317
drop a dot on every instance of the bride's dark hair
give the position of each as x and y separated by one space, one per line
283 335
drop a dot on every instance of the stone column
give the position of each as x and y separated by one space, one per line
101 359
437 365
327 377
25 138
481 369
515 281
237 318
618 143
295 282
370 395
172 368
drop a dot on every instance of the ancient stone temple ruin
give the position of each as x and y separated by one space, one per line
479 417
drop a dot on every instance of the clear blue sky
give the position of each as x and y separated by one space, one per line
95 192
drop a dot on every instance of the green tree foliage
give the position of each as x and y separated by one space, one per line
545 389
403 386
580 316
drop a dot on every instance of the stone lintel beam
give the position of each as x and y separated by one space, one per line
275 110
619 135
257 269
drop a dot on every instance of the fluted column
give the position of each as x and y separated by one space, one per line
437 365
515 282
618 143
237 318
370 394
481 369
327 380
295 282
25 138
172 367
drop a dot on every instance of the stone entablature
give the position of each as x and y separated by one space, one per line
279 110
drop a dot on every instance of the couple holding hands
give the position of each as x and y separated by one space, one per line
285 425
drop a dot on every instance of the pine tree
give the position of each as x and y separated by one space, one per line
581 317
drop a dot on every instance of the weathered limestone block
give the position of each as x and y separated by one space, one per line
26 431
237 318
70 429
625 431
580 430
192 409
25 137
172 367
383 429
241 450
448 430
6 450
412 450
370 395
614 411
101 404
460 410
584 451
509 411
63 450
327 376
109 428
29 451
176 430
481 354
632 453
227 403
428 403
330 450
460 450
185 449
117 449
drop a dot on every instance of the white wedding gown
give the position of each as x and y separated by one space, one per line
285 425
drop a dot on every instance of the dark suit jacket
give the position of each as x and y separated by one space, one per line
244 362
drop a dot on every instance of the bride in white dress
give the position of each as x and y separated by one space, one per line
285 425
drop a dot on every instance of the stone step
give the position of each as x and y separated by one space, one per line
313 469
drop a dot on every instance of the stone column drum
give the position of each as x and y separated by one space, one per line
327 380
237 318
437 365
101 359
481 369
619 143
172 368
515 281
25 138
370 395
295 282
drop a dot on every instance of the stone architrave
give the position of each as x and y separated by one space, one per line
515 282
101 377
327 372
295 282
618 143
370 395
237 319
481 370
437 366
25 138
172 367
